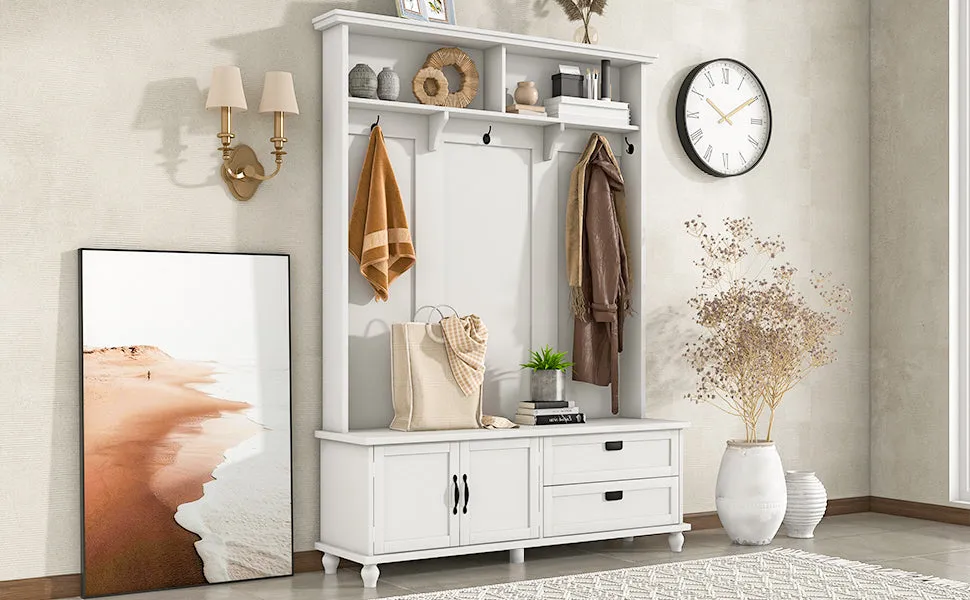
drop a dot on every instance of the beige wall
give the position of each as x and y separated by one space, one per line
105 143
909 229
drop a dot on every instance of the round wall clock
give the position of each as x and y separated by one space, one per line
723 117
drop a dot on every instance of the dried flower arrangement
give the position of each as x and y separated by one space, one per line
761 337
582 10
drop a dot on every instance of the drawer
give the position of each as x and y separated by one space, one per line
610 457
610 506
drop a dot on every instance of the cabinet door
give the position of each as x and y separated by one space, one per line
414 497
501 500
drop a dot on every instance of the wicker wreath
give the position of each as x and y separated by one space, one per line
431 87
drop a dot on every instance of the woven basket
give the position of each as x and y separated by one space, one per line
438 60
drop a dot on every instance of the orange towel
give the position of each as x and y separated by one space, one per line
379 236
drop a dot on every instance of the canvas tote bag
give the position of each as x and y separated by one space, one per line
424 392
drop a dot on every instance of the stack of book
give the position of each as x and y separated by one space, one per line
548 413
526 109
593 112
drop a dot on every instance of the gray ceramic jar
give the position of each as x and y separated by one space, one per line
388 84
363 82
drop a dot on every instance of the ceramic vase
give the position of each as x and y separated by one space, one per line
548 386
388 84
806 504
526 93
363 82
751 496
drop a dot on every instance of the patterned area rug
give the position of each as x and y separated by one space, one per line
782 574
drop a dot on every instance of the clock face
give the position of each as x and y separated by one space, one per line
723 118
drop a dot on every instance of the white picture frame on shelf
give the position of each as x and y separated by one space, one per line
411 9
439 11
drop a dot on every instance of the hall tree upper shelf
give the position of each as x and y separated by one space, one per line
458 190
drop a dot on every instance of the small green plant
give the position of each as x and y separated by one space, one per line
547 360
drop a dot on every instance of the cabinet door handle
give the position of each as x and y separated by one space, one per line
454 478
613 496
464 509
611 446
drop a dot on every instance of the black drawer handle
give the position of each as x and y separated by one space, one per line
611 446
464 509
614 496
454 478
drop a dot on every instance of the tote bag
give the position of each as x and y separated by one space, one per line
424 392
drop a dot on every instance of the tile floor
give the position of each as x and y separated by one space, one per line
909 544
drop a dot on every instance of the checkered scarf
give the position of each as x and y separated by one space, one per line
466 339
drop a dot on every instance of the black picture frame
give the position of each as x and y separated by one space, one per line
81 378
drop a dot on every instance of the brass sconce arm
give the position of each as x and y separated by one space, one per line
241 170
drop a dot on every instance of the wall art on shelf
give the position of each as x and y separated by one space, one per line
440 11
411 9
185 419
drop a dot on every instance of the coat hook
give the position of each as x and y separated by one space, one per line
376 123
487 138
630 149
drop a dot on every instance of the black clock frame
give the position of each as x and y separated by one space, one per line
681 118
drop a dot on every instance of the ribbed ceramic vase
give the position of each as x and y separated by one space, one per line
388 84
807 500
751 496
362 82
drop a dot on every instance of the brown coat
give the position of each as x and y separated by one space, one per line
605 297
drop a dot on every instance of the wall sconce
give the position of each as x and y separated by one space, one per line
241 170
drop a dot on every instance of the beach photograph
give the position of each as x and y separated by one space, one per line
185 419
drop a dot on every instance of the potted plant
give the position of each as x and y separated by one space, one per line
761 338
548 375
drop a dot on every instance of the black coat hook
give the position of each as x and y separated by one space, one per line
376 123
630 149
487 138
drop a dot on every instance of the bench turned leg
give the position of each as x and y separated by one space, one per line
369 574
517 556
676 541
330 563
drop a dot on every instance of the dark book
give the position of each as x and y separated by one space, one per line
550 419
535 405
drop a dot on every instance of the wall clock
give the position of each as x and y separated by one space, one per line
723 117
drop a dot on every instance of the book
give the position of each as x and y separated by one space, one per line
576 101
526 107
550 419
551 404
543 412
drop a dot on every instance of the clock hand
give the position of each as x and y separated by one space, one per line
723 116
735 111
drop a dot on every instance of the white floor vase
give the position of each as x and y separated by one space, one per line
750 493
807 500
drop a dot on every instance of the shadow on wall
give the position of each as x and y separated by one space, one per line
668 377
174 106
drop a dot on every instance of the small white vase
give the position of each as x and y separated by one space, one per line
750 496
806 503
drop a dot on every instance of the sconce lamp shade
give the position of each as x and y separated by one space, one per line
226 89
278 94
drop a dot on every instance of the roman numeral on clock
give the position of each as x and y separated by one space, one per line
693 115
744 161
707 155
757 122
754 142
724 158
697 135
725 75
710 79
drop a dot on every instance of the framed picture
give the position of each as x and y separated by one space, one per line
185 419
440 11
411 9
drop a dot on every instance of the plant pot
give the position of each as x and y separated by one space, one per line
806 504
751 495
362 81
548 386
